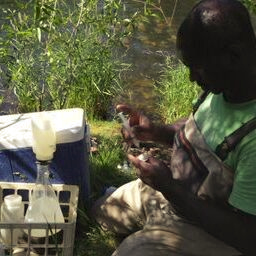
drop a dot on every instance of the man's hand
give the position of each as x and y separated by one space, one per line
141 127
153 172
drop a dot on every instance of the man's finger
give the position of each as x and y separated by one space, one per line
143 168
134 160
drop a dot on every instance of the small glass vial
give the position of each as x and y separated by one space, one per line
12 211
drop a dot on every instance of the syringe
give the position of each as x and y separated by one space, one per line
127 126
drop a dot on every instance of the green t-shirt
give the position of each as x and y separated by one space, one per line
216 119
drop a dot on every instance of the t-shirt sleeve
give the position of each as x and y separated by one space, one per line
243 195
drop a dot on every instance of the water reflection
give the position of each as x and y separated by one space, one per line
148 49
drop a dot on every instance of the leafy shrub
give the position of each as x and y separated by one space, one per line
59 54
250 4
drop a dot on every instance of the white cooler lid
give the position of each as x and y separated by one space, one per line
15 130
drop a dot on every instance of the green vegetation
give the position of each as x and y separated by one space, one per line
58 54
96 243
250 4
176 92
104 162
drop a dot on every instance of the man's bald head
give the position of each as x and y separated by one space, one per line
213 25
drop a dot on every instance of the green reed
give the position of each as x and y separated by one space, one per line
176 92
59 54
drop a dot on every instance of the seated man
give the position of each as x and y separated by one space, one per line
205 202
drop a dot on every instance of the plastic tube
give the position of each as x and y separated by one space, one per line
127 127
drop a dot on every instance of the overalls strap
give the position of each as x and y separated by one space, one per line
232 140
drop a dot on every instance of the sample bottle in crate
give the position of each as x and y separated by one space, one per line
12 211
52 244
43 203
43 206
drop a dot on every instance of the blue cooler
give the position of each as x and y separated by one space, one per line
70 162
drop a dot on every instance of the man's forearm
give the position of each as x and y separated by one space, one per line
234 228
165 134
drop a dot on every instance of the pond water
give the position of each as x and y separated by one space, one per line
148 49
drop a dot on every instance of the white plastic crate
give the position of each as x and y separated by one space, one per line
26 245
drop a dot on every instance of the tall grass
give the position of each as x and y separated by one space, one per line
58 54
176 92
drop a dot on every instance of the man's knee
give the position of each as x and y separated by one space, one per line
118 212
